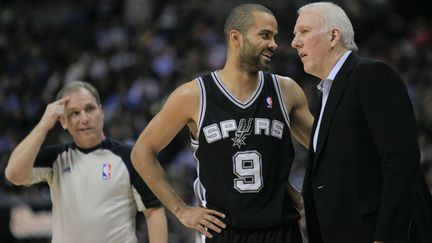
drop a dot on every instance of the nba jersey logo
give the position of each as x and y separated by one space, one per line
106 171
269 102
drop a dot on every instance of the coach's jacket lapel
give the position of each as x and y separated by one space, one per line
335 95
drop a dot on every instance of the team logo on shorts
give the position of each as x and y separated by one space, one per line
106 171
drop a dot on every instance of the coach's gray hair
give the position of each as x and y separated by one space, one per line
77 85
240 18
335 17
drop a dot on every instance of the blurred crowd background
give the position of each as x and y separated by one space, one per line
137 51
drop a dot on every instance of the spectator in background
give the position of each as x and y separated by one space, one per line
95 191
363 182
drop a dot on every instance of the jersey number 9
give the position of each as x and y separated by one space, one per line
247 166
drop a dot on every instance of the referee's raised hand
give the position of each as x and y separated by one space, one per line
53 112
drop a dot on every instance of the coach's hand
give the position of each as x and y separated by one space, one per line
202 219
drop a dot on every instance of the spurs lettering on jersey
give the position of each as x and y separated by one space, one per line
215 132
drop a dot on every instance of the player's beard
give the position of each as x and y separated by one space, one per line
250 58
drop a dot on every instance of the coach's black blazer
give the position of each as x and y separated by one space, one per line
360 184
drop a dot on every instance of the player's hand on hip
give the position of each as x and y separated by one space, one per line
202 219
300 203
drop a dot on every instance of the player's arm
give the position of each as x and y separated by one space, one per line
296 197
156 225
300 117
301 123
20 165
179 110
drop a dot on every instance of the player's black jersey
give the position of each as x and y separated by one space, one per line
244 153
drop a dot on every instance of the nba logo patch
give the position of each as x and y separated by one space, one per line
106 171
269 102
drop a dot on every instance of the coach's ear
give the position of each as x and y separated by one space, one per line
335 37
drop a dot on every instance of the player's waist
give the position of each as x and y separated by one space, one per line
252 220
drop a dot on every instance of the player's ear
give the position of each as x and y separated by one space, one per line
235 37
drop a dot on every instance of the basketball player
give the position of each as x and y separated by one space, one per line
241 120
95 191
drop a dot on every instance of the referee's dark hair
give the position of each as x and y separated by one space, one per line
76 85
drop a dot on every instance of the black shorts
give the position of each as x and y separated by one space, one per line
289 233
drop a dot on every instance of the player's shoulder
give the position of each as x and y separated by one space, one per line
292 93
287 84
187 90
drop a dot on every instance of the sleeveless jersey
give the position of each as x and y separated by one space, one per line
244 154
